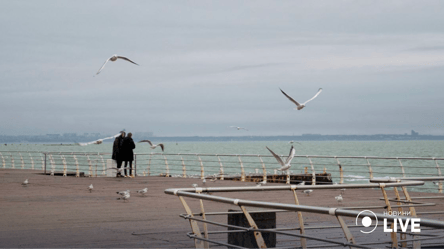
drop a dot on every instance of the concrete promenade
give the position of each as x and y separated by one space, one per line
56 211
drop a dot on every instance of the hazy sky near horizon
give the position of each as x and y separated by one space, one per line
208 65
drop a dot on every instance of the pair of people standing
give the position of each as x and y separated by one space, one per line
123 152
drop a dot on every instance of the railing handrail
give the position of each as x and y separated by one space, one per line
188 192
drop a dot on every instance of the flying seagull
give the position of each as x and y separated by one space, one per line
238 128
98 141
114 58
153 146
300 106
286 165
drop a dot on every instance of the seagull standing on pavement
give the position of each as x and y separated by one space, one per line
90 188
286 165
307 192
153 146
264 182
114 58
300 106
25 183
339 198
123 192
143 191
124 197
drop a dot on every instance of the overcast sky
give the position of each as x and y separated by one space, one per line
208 65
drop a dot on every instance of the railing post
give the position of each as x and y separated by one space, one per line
43 162
402 167
258 235
348 234
167 167
12 160
21 160
3 160
242 169
184 169
264 170
221 169
90 165
197 243
135 166
149 166
416 244
300 218
53 166
64 165
439 173
202 173
30 158
341 172
77 166
313 173
389 210
370 170
103 166
206 244
402 236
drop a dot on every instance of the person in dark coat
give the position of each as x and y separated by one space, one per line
127 152
117 151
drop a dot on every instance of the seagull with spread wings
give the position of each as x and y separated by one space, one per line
153 146
98 141
114 58
300 106
286 165
239 128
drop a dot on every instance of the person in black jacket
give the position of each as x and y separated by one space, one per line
127 152
117 151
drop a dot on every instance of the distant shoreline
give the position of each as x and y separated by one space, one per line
305 137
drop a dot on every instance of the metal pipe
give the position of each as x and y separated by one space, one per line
302 208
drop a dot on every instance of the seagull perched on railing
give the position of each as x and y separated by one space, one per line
238 128
90 188
286 165
301 183
25 183
300 106
153 146
114 58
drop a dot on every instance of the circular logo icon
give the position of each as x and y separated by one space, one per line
367 218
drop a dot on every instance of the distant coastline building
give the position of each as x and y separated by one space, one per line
414 133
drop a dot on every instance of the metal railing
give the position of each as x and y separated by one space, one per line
342 168
203 236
